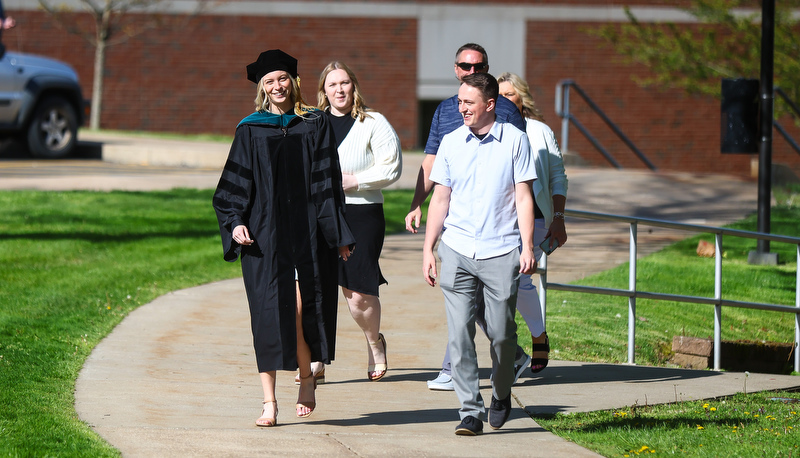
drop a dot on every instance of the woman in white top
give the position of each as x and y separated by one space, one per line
550 195
370 159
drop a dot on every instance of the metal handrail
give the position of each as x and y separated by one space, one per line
562 109
786 136
790 102
717 301
779 92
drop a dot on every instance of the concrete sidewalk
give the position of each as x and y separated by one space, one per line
177 377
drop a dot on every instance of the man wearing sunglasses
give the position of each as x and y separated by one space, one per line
470 58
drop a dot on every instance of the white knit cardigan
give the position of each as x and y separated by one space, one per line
371 152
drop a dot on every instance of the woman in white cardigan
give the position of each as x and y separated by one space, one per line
370 159
550 193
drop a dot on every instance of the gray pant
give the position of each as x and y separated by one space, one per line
527 300
459 278
520 352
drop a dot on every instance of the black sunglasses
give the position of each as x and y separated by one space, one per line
467 67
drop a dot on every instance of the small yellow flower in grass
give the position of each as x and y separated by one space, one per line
713 409
705 406
700 427
644 447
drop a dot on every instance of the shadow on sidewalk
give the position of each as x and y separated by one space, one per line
599 373
15 149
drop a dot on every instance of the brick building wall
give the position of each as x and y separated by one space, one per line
664 3
188 76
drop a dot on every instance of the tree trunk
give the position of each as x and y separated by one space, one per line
97 84
102 25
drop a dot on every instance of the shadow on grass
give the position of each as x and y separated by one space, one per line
105 237
642 423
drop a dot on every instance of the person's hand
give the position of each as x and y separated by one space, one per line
241 235
349 182
527 262
9 23
429 267
412 220
557 231
345 252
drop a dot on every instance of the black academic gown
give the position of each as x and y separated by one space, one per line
283 182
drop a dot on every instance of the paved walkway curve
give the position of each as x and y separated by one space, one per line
177 377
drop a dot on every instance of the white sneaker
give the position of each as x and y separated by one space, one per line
441 383
520 365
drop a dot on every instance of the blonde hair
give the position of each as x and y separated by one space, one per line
359 110
529 108
300 107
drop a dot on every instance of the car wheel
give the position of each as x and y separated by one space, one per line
53 131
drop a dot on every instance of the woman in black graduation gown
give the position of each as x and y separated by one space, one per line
280 206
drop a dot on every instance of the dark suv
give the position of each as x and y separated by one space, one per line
40 102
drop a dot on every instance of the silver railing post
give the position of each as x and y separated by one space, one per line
632 299
797 316
562 110
718 305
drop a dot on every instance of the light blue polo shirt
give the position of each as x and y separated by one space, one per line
482 219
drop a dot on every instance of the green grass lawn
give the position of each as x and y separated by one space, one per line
744 425
74 264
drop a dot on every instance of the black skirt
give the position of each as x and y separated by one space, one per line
361 272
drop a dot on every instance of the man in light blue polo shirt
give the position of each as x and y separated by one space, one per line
470 58
483 172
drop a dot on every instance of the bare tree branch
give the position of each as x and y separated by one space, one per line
115 22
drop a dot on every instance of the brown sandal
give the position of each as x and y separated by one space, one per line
267 421
380 368
302 405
